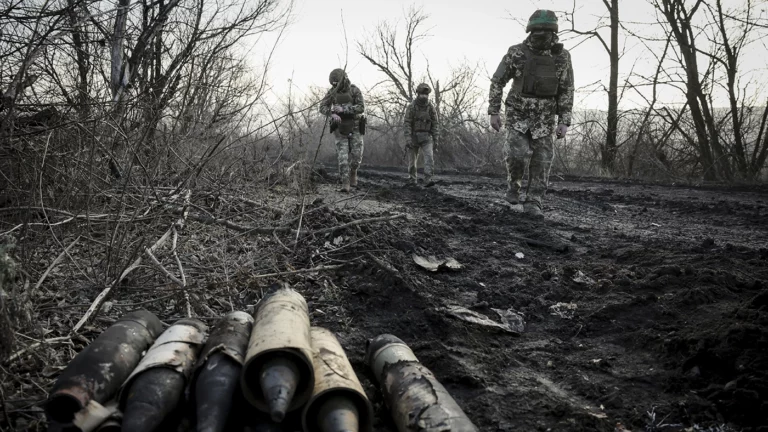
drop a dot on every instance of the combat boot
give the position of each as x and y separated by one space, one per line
512 197
353 177
533 208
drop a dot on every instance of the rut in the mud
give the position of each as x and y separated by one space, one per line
668 288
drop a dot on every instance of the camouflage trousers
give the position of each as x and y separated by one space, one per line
521 151
426 148
349 153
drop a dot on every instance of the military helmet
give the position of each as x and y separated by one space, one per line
337 75
542 19
423 88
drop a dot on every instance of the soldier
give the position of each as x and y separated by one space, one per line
541 91
421 134
344 104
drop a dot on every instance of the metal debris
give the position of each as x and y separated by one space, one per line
511 321
433 264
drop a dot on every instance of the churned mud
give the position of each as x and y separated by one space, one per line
645 306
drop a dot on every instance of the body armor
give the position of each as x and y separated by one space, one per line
347 124
539 78
422 122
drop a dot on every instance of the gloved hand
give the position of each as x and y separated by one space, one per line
337 109
561 130
495 122
335 118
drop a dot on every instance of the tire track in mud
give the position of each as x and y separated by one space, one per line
646 299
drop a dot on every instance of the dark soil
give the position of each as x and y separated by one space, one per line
670 284
645 305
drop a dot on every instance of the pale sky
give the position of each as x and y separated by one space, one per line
479 31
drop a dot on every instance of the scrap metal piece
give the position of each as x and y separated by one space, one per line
279 351
511 322
338 402
95 415
217 374
434 264
156 386
98 371
417 401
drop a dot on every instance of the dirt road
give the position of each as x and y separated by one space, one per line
644 305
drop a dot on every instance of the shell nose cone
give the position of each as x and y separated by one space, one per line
279 379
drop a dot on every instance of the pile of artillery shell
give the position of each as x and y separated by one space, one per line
137 378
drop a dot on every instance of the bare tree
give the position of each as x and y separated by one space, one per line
709 41
609 148
393 55
679 17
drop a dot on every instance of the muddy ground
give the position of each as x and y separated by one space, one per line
646 306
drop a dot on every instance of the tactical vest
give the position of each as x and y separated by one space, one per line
347 124
422 122
539 79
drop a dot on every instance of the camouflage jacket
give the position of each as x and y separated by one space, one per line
531 113
355 108
421 118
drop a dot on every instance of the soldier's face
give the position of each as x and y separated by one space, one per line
542 39
422 96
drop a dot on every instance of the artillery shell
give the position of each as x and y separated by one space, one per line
279 355
157 384
338 414
98 371
153 395
218 371
417 401
338 402
214 388
111 425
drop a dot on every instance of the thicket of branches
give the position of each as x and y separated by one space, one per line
115 120
150 90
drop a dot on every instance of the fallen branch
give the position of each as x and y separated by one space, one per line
359 222
54 264
181 272
51 341
45 224
384 265
40 209
102 297
326 205
208 220
310 270
164 270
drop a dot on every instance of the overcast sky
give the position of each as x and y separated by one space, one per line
475 31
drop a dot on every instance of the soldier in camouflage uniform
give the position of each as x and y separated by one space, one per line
421 134
538 104
345 106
